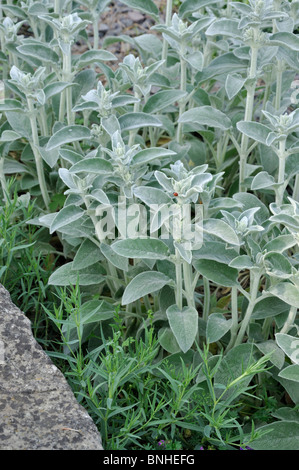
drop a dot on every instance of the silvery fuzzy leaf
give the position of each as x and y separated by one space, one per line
159 217
147 155
49 156
286 292
148 7
190 6
242 8
289 40
233 84
206 115
286 25
215 250
11 166
290 345
20 123
10 105
100 196
143 284
117 260
250 200
39 50
131 121
9 136
280 244
219 273
217 327
290 373
196 60
254 130
111 125
66 216
86 105
92 165
162 99
151 196
67 178
15 10
167 340
87 255
242 262
94 56
68 134
224 27
55 88
284 436
70 156
277 265
263 180
222 230
184 325
222 65
185 250
123 100
40 96
148 248
65 275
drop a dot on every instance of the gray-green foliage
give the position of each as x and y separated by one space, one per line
212 125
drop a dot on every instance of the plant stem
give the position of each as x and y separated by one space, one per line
296 189
207 297
167 22
290 320
57 6
188 282
234 309
133 132
279 72
67 65
281 171
248 116
3 180
183 86
254 287
95 31
179 280
36 153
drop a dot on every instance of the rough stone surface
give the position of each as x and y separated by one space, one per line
38 410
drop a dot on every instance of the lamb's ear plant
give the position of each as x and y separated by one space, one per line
169 181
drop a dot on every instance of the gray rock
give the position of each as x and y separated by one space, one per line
38 410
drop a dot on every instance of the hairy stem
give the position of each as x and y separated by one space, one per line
167 22
248 117
133 132
95 31
207 297
296 189
234 309
188 282
254 287
179 280
183 86
290 320
3 180
36 153
282 154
